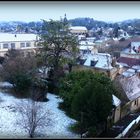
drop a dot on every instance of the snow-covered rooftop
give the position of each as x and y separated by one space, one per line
116 101
78 28
84 47
81 36
115 39
137 67
129 73
127 50
136 44
98 41
131 70
91 38
119 64
103 60
123 64
7 37
86 43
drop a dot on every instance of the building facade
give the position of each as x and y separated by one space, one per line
78 30
27 43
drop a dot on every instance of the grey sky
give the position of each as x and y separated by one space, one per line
36 10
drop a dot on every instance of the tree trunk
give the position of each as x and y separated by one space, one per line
31 135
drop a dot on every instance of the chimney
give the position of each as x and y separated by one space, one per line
113 62
130 47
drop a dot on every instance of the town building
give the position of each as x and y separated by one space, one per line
78 30
130 56
116 112
98 62
128 84
27 43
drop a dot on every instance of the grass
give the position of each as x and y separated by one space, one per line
19 95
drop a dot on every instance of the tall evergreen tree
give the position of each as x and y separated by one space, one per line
59 45
88 99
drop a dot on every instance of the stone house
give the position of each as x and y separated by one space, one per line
128 84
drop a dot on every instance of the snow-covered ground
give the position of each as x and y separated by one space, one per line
9 114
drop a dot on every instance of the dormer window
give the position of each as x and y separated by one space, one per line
93 62
82 61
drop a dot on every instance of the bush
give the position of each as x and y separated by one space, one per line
22 82
18 70
87 98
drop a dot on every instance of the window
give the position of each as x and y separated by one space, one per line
12 45
136 102
35 44
28 44
5 46
22 45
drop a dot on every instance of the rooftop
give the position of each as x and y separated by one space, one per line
129 61
78 28
136 67
129 73
7 37
116 101
103 60
130 85
136 44
85 47
127 50
86 43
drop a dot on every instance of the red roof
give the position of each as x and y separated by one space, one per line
129 61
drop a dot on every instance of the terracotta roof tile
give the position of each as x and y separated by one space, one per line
129 61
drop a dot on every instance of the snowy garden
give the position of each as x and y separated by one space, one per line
9 116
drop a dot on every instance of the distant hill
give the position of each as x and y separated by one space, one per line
87 22
131 22
90 23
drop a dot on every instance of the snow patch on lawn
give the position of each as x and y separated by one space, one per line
59 123
5 85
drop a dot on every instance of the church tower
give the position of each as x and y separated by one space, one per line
65 20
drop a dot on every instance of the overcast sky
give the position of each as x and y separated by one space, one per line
36 10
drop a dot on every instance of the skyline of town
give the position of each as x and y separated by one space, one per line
79 78
35 11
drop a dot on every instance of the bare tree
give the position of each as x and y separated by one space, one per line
33 116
